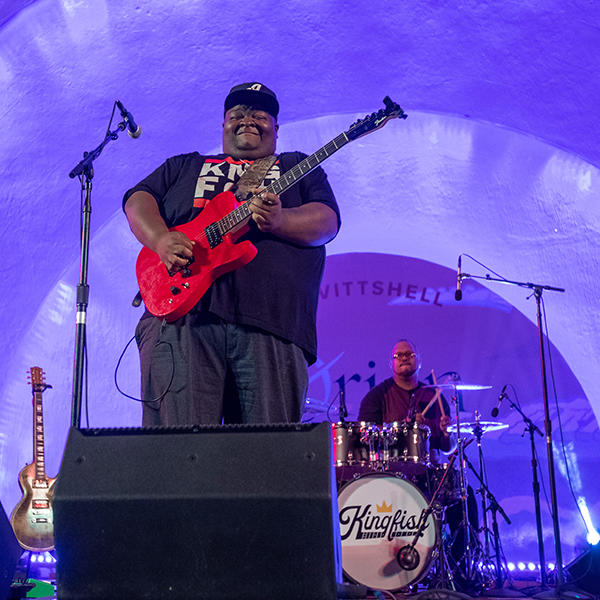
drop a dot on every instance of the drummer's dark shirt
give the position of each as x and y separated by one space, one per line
388 402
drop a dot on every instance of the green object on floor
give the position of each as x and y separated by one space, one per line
42 589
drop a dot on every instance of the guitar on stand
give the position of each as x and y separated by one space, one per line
32 518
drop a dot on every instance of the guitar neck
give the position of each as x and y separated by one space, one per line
38 436
242 213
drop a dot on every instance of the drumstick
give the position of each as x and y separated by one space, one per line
432 401
441 406
438 396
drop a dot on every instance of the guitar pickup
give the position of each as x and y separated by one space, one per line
40 504
213 235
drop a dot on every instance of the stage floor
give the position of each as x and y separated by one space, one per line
518 585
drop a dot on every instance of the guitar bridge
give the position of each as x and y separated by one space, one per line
213 235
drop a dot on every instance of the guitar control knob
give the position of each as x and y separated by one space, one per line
186 285
175 290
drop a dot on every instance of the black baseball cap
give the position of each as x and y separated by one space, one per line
253 94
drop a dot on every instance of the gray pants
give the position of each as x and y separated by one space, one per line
215 372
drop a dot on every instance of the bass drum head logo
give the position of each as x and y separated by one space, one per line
379 515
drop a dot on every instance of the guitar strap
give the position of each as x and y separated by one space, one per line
253 176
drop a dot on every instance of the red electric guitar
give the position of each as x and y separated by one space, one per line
31 519
218 227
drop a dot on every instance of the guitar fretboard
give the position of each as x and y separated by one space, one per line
289 178
38 436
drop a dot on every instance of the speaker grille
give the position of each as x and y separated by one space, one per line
208 512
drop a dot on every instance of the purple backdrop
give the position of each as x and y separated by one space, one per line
498 158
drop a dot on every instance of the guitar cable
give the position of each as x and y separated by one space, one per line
161 396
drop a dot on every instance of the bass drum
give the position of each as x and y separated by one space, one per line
379 515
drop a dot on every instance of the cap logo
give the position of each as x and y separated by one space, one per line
255 87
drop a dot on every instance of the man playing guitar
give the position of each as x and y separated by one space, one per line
240 354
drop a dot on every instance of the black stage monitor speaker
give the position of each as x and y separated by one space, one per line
10 551
584 571
233 512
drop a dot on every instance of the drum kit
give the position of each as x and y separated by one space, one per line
395 505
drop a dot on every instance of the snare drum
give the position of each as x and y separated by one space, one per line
380 515
408 446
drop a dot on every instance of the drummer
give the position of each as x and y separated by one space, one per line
402 397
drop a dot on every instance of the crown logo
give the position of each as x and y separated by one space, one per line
384 508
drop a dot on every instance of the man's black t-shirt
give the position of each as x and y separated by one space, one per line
276 292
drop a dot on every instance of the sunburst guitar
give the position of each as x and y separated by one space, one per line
31 519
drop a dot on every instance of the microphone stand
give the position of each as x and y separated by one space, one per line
532 429
342 409
537 293
85 171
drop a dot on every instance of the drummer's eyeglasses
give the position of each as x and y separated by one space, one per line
398 355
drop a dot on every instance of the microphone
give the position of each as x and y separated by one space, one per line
343 410
501 397
133 130
458 293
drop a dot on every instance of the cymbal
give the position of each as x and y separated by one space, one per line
486 426
469 387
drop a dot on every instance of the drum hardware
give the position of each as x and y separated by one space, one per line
469 540
484 426
396 447
369 436
494 507
461 387
477 429
407 556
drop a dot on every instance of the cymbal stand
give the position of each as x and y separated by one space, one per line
478 432
532 429
408 558
494 507
467 556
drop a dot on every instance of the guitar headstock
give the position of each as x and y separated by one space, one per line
37 378
376 120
